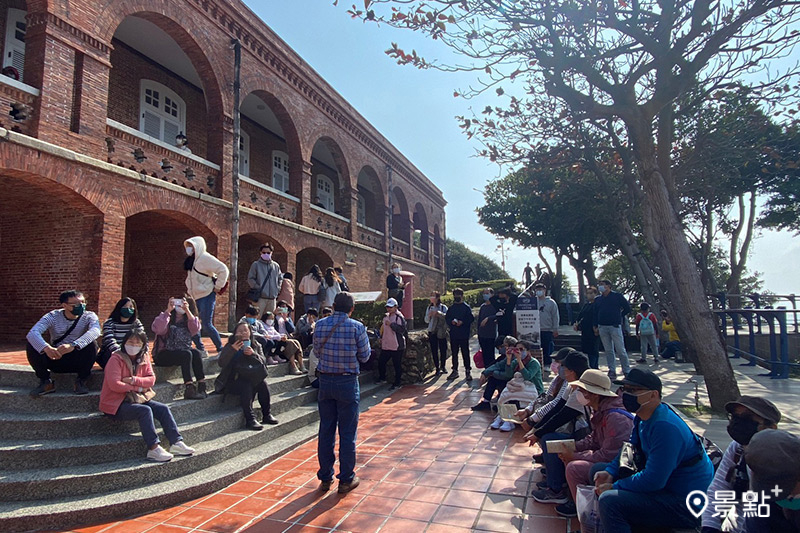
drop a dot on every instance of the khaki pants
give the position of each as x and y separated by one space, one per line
264 305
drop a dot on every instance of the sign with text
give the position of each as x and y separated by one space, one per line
527 315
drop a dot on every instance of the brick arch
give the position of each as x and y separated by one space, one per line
166 15
421 223
376 205
400 215
328 137
52 241
154 255
184 208
294 147
345 179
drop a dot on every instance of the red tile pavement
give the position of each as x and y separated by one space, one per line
428 463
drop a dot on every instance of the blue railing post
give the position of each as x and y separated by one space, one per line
752 338
757 304
782 372
735 320
773 345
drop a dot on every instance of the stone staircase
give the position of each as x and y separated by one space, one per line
64 463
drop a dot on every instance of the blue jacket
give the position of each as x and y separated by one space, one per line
608 310
667 442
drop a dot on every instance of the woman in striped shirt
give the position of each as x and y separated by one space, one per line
123 319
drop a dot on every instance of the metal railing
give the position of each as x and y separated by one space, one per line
776 320
723 298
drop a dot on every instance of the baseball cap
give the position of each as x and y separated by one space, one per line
643 378
562 353
391 302
773 457
594 381
760 406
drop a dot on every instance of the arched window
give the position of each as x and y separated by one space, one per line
244 154
325 192
280 171
162 112
362 210
14 55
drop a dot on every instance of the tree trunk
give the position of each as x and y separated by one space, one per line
738 255
645 278
696 324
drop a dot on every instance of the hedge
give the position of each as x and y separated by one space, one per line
470 285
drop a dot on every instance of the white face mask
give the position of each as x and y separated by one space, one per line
269 322
180 310
132 349
189 250
554 367
539 294
582 399
395 270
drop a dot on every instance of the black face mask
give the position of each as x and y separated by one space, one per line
457 299
742 429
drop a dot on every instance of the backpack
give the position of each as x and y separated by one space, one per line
646 325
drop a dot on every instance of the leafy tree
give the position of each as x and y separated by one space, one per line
783 207
462 262
618 67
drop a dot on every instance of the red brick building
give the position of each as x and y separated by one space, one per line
96 195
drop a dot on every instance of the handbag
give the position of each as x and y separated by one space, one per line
478 359
250 369
140 397
253 295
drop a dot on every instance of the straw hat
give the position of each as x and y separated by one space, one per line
596 382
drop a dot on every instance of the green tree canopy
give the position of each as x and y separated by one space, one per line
464 263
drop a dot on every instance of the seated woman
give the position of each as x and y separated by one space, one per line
174 329
122 320
611 425
279 324
569 419
517 359
259 330
127 394
233 379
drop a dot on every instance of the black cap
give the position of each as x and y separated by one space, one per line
760 406
644 378
562 353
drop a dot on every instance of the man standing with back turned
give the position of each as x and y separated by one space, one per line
340 343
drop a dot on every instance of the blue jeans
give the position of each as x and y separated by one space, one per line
338 407
311 300
546 338
620 510
670 349
205 308
144 414
614 343
556 477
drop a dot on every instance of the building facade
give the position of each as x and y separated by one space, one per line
117 144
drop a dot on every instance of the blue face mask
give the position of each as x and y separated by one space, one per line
791 504
561 371
250 320
486 297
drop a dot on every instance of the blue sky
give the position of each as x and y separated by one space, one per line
415 110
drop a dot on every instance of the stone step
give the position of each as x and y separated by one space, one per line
59 491
23 376
17 399
63 513
42 425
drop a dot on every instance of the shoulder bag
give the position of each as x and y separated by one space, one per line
253 295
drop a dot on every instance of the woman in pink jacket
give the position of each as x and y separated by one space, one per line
127 394
174 329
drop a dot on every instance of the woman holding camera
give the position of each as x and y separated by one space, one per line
244 372
174 329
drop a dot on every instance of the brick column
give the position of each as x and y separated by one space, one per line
353 215
111 261
305 195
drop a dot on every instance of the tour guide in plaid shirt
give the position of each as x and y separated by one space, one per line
340 343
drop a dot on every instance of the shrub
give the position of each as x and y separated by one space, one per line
494 284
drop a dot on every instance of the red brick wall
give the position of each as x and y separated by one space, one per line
47 242
262 143
129 68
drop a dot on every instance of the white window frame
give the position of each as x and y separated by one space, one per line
12 44
244 153
326 198
280 171
164 93
361 210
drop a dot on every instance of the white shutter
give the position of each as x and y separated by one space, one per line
325 191
171 130
151 124
280 171
14 51
244 154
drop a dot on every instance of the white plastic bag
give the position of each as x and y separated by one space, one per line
588 509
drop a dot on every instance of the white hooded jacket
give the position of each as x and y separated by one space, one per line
200 280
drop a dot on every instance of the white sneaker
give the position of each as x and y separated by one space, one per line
496 423
159 455
180 448
507 426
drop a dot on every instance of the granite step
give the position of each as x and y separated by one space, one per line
59 499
